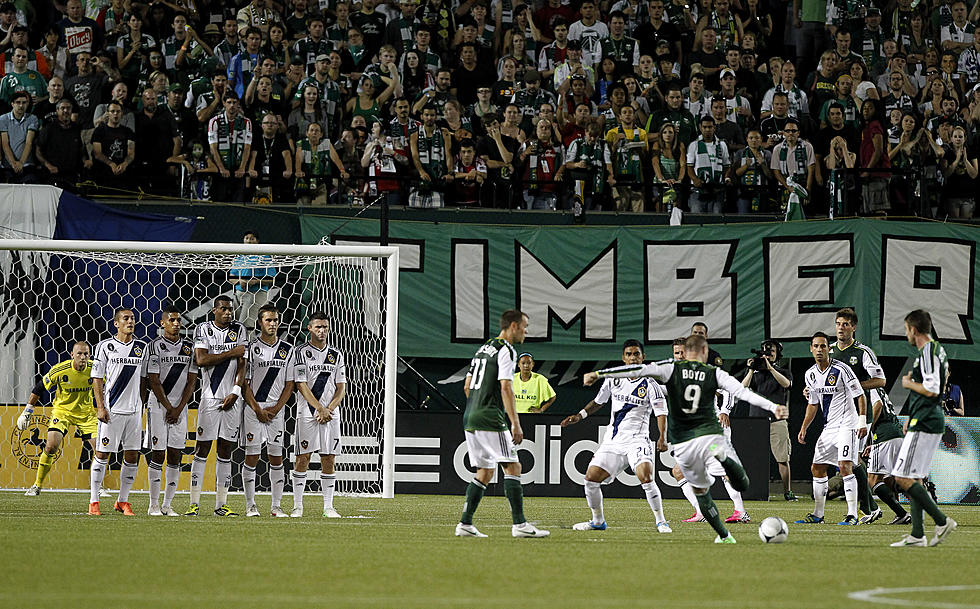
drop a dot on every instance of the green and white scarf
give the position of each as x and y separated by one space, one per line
628 165
709 166
799 154
593 153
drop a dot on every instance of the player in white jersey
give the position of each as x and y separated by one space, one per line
627 439
171 375
268 386
832 387
118 392
321 384
219 350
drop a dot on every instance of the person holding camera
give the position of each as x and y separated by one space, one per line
772 382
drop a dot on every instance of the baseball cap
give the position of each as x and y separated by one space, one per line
532 76
211 29
575 44
323 57
175 87
874 10
727 72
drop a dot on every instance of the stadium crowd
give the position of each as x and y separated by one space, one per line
634 105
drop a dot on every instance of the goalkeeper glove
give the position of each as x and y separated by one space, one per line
24 418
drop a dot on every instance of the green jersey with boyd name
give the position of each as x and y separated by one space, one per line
930 368
887 426
864 363
493 362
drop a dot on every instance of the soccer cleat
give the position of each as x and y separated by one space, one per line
123 508
154 511
296 513
93 509
225 512
34 491
526 529
718 452
588 525
869 518
810 519
331 513
664 527
729 539
738 517
909 541
278 512
104 493
467 530
905 518
943 531
192 510
848 521
169 511
790 496
251 511
695 517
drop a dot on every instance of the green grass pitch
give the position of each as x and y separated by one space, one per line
401 553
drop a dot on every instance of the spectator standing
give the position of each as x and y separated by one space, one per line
708 164
230 140
18 130
532 391
60 151
252 276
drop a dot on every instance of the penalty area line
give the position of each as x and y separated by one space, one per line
877 596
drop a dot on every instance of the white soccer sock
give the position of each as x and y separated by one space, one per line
654 499
819 496
154 473
173 479
736 496
248 481
593 496
277 476
96 476
299 485
222 480
327 484
851 494
689 495
197 478
127 475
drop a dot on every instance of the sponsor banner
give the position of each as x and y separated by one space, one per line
588 288
430 457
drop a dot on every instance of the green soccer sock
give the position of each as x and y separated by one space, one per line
888 498
916 511
474 492
515 495
44 464
921 495
710 513
864 492
736 474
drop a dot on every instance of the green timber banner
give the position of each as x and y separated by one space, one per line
586 289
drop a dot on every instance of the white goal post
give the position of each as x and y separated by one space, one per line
56 292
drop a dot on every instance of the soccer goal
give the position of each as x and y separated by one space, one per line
57 292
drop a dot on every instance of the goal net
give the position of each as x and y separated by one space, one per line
57 292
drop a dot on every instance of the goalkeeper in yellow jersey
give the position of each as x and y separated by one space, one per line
71 383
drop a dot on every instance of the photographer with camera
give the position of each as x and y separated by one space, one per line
772 382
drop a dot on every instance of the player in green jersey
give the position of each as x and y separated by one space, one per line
924 429
886 442
869 373
692 424
492 427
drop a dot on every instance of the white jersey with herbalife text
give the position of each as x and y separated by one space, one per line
633 401
172 361
220 378
321 370
119 365
268 369
835 390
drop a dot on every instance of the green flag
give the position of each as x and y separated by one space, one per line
794 210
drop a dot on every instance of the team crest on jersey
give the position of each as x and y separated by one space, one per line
304 443
200 430
641 391
309 353
90 379
258 350
831 379
138 351
854 360
282 354
154 440
105 441
232 336
64 379
54 421
110 347
249 437
210 332
186 350
615 382
331 358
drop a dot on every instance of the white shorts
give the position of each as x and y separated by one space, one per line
694 458
488 448
122 432
835 446
161 435
613 457
883 457
714 465
915 456
314 437
255 434
215 423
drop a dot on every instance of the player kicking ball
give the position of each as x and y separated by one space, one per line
692 425
832 387
627 439
489 408
117 389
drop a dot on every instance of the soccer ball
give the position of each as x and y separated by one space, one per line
773 530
